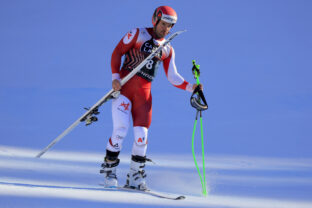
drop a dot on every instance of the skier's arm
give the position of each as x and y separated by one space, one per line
124 45
172 74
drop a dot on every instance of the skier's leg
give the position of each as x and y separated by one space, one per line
121 112
109 167
136 175
140 141
142 118
142 114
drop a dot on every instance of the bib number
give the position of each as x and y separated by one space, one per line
149 64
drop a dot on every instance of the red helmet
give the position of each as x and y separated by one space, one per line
166 14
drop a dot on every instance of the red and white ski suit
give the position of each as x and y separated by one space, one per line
136 98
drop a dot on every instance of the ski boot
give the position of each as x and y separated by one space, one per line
136 176
109 170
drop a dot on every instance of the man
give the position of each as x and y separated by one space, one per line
135 96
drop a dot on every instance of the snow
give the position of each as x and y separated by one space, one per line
74 177
255 59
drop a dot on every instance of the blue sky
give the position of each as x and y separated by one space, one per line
255 58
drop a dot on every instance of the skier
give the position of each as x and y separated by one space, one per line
135 96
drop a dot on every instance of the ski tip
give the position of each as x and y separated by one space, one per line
180 198
39 155
181 31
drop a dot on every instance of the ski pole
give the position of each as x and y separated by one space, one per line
199 106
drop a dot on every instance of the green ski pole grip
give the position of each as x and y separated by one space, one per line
196 71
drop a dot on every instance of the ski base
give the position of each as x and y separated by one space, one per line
148 191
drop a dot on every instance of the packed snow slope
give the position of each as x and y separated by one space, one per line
255 60
71 179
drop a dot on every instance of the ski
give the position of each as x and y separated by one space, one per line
148 192
90 116
154 193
